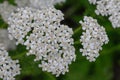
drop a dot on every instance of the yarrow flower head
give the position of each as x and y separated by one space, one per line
108 8
20 24
8 68
53 46
25 19
6 9
93 38
46 38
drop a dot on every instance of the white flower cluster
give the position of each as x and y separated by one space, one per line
93 38
8 68
24 19
20 24
46 38
6 9
108 8
53 46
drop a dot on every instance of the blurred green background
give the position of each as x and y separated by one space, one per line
106 66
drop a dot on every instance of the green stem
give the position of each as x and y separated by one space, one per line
76 42
19 56
77 30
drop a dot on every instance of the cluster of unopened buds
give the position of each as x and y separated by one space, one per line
36 25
